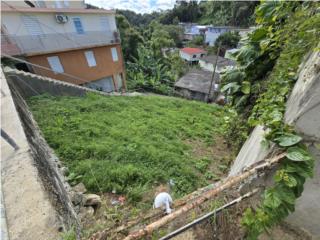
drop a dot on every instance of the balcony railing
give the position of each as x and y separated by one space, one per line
56 42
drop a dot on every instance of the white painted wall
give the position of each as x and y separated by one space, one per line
91 22
49 4
189 57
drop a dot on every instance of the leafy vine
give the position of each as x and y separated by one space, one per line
267 69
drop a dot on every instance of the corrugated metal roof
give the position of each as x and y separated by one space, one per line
192 50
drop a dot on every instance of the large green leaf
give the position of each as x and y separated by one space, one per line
271 199
233 86
285 194
245 87
298 154
258 34
288 140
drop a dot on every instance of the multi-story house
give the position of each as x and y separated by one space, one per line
70 42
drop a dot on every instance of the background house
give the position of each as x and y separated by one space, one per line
192 54
79 45
213 33
207 63
195 85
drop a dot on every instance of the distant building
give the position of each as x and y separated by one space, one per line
191 31
79 45
195 85
192 54
213 32
207 63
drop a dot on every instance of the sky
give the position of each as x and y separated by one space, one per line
139 6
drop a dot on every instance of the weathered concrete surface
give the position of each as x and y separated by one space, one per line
30 214
302 112
29 84
307 212
251 152
303 106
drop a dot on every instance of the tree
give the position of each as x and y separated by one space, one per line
228 40
149 73
130 37
232 13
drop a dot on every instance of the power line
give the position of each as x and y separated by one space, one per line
49 69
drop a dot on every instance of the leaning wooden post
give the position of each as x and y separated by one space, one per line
204 197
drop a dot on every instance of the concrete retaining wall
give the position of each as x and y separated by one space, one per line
30 212
47 164
303 112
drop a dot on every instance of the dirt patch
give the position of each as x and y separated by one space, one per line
218 154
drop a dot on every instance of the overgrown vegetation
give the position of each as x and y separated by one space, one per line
129 144
154 32
258 88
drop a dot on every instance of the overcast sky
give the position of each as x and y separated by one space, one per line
139 6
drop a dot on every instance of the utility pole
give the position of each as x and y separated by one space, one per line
214 71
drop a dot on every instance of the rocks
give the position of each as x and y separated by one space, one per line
80 188
77 198
92 200
86 212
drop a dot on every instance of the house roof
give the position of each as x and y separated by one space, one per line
192 50
222 62
53 10
197 80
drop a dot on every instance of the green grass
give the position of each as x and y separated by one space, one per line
129 144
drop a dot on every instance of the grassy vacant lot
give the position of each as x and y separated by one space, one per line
130 144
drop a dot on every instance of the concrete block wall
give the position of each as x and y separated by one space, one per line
29 84
30 212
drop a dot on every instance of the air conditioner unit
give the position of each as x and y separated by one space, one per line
60 18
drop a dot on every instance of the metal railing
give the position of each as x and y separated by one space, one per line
58 41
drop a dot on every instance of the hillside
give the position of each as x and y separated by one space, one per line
129 144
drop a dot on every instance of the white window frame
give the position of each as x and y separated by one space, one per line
55 64
114 53
90 58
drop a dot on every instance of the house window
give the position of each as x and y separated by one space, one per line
202 55
32 24
55 64
78 25
194 56
114 54
90 58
